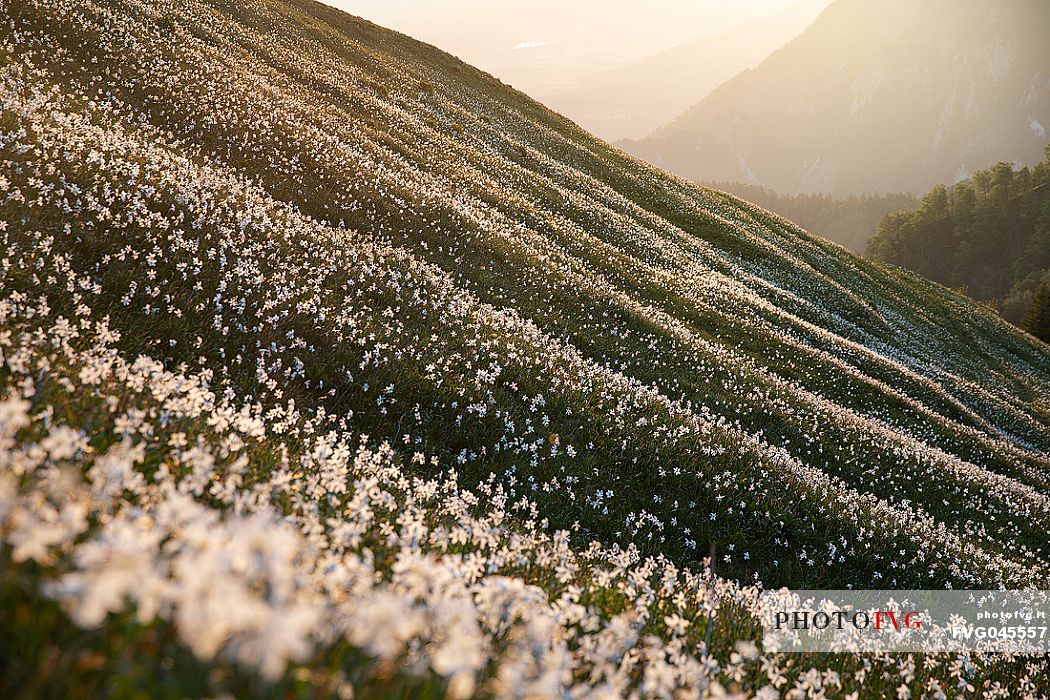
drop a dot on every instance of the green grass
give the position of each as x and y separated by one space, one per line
363 225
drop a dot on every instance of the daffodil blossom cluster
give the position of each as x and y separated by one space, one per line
337 542
258 267
172 519
248 234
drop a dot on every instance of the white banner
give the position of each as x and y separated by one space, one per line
1015 622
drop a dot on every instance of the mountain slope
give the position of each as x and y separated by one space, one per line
634 100
881 96
652 317
356 237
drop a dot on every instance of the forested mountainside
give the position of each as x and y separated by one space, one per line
875 96
849 221
332 366
988 235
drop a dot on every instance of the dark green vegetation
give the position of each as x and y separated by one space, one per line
1037 320
988 236
849 221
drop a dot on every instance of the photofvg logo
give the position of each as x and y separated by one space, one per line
859 619
906 621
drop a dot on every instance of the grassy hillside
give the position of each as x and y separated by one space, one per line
322 347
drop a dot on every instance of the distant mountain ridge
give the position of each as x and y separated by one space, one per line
631 101
868 100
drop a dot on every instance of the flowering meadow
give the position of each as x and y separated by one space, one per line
332 367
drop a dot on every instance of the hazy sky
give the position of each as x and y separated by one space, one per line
543 46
